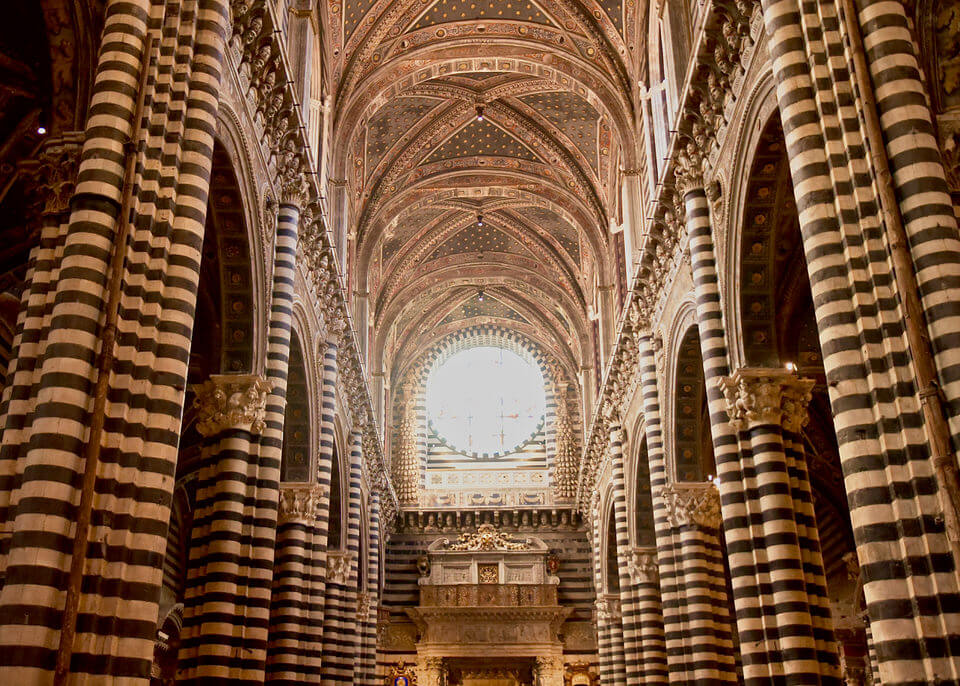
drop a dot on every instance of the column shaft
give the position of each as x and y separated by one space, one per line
291 641
231 542
668 554
47 427
630 648
907 557
340 614
744 558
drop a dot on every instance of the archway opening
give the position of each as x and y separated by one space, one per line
779 328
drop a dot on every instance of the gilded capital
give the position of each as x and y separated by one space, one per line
767 396
228 401
299 502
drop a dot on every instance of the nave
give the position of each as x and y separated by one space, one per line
479 342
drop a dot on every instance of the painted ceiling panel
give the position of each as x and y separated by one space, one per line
573 115
482 138
354 12
391 121
477 239
445 11
549 222
614 10
406 227
490 307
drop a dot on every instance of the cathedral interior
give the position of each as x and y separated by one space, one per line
480 342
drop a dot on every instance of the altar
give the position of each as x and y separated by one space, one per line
488 613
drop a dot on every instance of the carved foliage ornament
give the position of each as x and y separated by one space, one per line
693 505
54 172
764 396
231 401
487 538
338 567
642 566
299 503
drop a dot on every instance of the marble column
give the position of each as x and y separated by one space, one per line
769 407
549 671
230 569
292 651
430 671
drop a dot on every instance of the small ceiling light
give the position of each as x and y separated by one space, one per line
479 112
479 220
480 295
42 123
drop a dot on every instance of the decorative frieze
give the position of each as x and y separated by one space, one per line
299 502
520 519
692 505
227 401
767 396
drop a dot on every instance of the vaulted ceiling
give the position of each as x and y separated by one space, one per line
552 82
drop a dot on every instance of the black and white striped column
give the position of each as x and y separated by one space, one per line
630 649
769 407
230 568
675 640
178 57
290 659
746 580
340 641
909 571
367 612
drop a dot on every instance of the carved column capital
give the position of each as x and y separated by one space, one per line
299 502
697 504
766 396
689 170
338 567
53 174
363 605
608 608
643 567
231 401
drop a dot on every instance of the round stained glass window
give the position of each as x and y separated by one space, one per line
485 400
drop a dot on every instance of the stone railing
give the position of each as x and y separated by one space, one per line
489 595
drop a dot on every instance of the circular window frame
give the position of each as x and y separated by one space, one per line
496 342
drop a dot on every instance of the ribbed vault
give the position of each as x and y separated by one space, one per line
481 147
